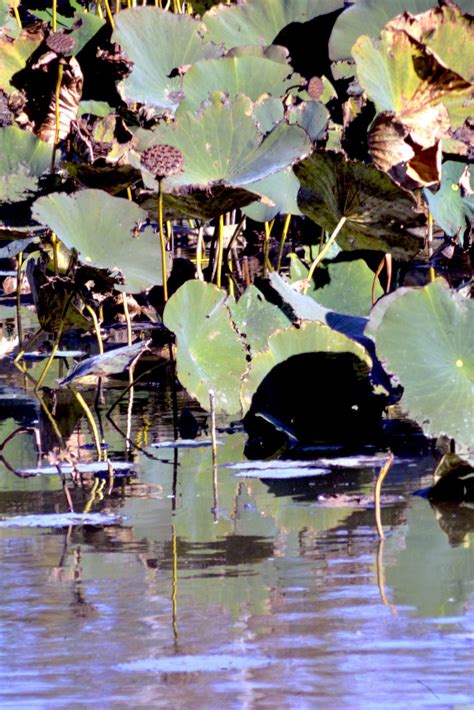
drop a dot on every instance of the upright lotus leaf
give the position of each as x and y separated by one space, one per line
426 339
280 191
260 21
23 159
256 318
452 206
379 215
210 354
159 42
14 55
313 116
418 98
100 228
349 289
367 17
249 75
310 337
224 149
447 32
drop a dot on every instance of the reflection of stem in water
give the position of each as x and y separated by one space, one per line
96 493
174 592
67 495
129 411
56 342
215 492
380 570
378 489
85 407
323 252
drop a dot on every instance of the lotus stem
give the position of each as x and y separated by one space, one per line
108 12
323 252
199 245
220 250
117 6
283 237
388 265
56 113
378 489
55 15
19 328
177 7
429 244
266 247
86 409
174 589
55 245
95 320
162 240
17 17
56 343
127 319
212 409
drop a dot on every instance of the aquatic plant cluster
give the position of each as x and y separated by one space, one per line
343 130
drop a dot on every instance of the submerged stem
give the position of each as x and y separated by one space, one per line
86 409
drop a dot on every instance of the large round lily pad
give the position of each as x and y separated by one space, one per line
260 21
379 215
426 339
210 354
159 42
100 228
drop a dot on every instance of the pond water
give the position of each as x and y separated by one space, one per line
222 593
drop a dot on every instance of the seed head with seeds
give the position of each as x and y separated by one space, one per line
162 160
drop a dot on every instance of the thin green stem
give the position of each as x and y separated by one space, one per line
127 319
86 409
19 328
55 16
323 252
220 250
378 490
162 240
108 12
95 320
199 246
283 238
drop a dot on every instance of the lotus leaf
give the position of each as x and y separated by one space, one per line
268 112
23 158
159 42
110 363
258 22
310 337
379 215
210 353
249 75
280 189
349 289
99 227
367 17
452 206
426 339
313 116
256 319
14 57
84 24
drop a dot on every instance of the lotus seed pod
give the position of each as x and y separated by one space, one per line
61 43
315 87
162 160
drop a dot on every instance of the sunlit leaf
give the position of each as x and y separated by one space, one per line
210 353
159 42
260 21
426 339
100 228
452 206
14 55
256 319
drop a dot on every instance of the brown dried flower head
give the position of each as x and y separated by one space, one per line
61 43
162 160
315 87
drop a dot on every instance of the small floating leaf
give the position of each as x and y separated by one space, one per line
109 363
60 520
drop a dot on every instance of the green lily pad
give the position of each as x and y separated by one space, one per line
249 75
223 149
379 215
159 42
260 21
280 189
256 319
310 337
452 209
23 159
367 17
349 289
426 339
313 116
210 354
112 362
99 227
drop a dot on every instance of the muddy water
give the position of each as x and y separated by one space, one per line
240 595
